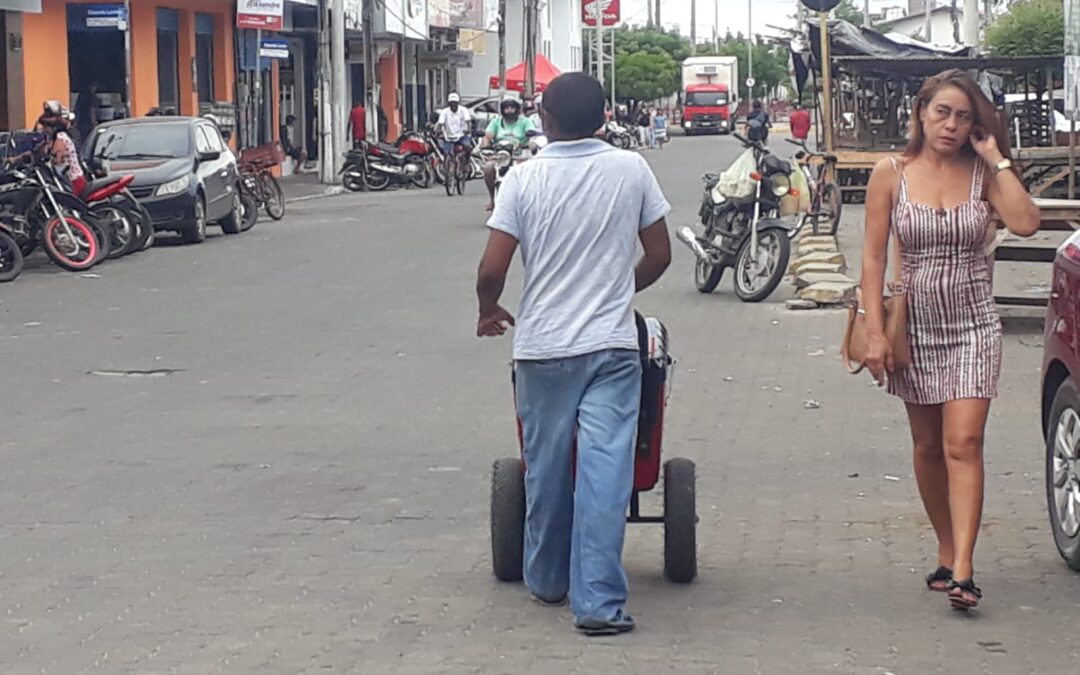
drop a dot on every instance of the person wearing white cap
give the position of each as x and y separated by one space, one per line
454 123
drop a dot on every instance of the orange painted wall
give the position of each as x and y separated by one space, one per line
390 85
46 58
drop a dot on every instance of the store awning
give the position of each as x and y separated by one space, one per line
544 73
33 6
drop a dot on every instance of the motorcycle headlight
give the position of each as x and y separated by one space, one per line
540 141
174 186
502 159
780 184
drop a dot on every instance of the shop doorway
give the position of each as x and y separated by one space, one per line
97 53
168 60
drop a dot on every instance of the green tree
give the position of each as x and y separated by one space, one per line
848 11
645 76
1031 28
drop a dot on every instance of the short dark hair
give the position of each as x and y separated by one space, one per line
289 119
757 104
575 102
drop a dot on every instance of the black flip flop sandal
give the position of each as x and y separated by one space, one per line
942 576
959 592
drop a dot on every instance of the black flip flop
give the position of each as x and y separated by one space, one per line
957 590
941 574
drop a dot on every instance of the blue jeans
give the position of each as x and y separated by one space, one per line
574 529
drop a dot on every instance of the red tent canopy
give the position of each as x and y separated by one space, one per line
515 77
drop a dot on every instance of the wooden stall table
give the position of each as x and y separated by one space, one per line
1058 215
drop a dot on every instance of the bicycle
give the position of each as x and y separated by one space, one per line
259 182
826 201
457 168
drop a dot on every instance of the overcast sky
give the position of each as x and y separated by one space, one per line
734 14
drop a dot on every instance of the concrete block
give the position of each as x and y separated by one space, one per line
829 293
796 304
833 257
820 268
804 278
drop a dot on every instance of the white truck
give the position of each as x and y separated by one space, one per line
710 94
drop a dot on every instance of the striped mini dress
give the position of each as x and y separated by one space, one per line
953 325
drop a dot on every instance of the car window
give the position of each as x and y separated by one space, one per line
202 143
139 141
214 138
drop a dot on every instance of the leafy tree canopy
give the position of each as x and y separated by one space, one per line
1031 28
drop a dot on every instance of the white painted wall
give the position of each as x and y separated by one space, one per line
559 40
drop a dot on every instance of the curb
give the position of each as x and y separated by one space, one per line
331 191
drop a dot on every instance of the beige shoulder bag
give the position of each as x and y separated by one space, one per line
856 340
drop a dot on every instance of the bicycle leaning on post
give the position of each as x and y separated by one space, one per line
257 180
826 202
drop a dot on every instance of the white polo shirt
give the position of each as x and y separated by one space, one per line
576 209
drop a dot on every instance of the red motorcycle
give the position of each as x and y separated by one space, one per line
377 166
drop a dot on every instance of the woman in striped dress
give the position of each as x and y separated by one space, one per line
938 200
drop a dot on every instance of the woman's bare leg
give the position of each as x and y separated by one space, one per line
964 423
932 476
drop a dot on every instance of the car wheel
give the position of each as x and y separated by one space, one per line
233 223
196 232
1063 472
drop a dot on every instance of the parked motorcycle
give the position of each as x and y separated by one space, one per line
377 166
744 231
620 136
11 257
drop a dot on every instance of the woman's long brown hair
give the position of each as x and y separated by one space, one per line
984 115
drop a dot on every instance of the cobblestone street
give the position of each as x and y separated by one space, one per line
271 453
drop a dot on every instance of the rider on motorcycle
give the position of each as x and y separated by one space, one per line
55 121
509 125
454 124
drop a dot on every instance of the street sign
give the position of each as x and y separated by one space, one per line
274 49
106 16
260 14
612 12
750 82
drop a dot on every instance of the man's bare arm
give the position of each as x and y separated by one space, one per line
657 245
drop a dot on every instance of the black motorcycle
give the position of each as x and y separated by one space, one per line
744 233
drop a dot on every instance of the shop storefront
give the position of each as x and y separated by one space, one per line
12 105
177 58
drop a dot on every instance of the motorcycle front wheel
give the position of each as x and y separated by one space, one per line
707 277
756 280
11 258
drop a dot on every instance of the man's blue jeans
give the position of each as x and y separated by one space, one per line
574 529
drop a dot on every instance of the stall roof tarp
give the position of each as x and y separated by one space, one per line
921 66
544 72
848 40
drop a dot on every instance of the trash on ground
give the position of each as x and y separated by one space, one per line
812 405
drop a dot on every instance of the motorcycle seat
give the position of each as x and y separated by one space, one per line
386 147
96 184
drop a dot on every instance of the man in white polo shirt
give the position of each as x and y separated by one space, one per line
578 210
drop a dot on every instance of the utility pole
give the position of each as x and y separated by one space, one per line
326 142
659 25
649 9
693 26
716 26
599 14
750 46
928 15
530 48
971 23
337 58
866 13
502 48
826 82
371 77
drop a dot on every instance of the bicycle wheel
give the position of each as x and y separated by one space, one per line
450 179
832 205
461 174
271 196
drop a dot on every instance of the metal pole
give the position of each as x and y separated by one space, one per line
371 58
256 111
693 26
130 103
826 83
337 54
599 13
613 73
530 48
326 144
750 48
928 14
971 23
866 13
716 25
502 49
1072 159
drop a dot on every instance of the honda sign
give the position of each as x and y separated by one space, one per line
611 12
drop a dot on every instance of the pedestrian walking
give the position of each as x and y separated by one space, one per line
800 122
937 200
644 124
660 129
357 124
576 361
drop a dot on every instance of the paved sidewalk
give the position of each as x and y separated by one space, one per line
306 186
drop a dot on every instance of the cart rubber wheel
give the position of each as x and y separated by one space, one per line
508 519
680 521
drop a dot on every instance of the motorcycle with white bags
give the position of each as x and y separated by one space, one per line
742 228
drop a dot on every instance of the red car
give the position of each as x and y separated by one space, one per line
1061 402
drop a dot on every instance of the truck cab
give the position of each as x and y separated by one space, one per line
707 108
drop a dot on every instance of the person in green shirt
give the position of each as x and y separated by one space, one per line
509 125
